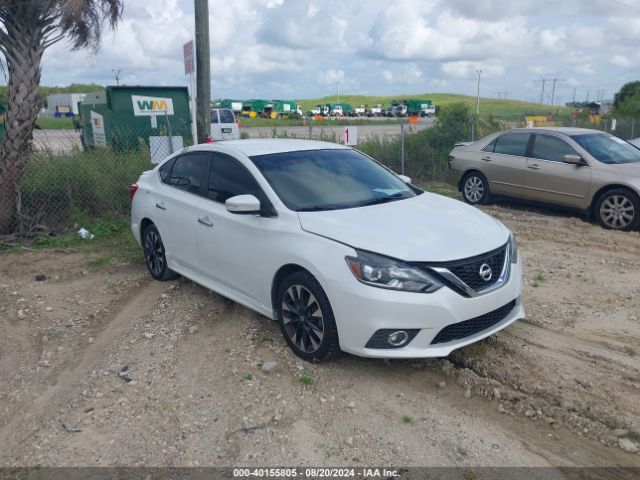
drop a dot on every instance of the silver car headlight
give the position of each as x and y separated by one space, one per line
384 272
513 248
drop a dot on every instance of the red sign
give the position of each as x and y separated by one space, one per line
189 62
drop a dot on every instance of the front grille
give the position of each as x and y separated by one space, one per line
460 330
469 270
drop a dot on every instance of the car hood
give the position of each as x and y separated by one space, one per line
425 228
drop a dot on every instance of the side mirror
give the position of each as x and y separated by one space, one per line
243 204
574 160
405 179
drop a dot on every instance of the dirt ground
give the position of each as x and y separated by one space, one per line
99 365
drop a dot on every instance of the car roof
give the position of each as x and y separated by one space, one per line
263 146
563 130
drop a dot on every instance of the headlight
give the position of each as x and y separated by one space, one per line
384 272
513 248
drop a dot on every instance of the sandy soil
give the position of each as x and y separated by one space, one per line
107 367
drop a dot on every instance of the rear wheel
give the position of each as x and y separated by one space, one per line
475 188
155 256
306 318
618 209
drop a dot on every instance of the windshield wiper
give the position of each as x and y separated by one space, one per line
389 198
313 209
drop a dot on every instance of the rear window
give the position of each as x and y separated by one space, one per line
512 144
227 116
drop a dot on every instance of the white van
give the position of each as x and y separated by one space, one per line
224 125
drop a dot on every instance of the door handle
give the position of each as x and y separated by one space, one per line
161 206
486 159
205 221
535 166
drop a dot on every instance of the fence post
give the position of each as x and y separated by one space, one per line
402 148
166 116
473 129
633 127
310 130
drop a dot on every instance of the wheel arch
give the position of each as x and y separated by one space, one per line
605 189
144 223
282 273
467 173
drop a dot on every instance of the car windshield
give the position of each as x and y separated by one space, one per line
608 148
315 180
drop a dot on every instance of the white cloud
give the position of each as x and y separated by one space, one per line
299 48
621 61
465 69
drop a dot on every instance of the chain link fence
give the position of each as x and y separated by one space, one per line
69 183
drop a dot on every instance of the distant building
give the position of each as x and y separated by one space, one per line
64 104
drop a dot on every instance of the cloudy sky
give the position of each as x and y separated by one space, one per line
301 48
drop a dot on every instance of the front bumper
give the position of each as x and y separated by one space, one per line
361 310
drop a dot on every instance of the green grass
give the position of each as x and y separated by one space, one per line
306 378
247 376
113 243
488 106
537 280
407 419
52 123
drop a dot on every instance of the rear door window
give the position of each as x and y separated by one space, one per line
214 116
490 146
188 171
512 144
548 147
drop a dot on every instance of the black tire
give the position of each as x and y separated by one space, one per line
618 209
475 189
154 255
312 337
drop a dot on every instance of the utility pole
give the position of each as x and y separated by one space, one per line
543 81
338 90
553 92
479 72
203 70
574 96
117 75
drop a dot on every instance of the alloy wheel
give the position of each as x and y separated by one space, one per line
617 211
153 252
474 189
302 318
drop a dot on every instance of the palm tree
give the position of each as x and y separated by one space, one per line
27 29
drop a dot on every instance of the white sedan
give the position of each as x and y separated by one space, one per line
343 253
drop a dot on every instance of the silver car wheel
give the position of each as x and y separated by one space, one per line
302 318
474 189
617 211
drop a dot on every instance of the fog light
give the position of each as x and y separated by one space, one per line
397 339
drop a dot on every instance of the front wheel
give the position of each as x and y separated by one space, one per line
618 209
475 188
306 318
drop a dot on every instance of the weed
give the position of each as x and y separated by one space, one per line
306 378
407 419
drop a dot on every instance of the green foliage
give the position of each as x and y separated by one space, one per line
306 378
426 151
79 187
627 100
407 419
